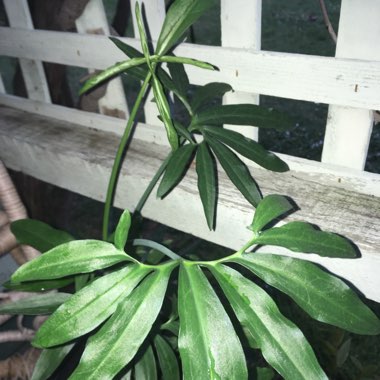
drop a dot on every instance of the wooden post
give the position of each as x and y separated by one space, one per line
348 130
241 28
94 21
32 70
154 11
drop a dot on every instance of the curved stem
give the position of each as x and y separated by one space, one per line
159 247
119 156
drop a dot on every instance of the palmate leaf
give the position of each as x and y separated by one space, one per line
38 234
180 15
89 307
179 77
270 208
282 344
122 229
206 172
242 114
208 344
167 359
49 361
303 237
79 256
39 286
35 305
176 169
248 148
323 296
145 368
236 170
207 92
118 340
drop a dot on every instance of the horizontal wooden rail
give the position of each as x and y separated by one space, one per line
80 160
339 81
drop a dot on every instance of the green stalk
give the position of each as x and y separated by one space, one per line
119 155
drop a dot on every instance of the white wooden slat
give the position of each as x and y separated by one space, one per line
336 176
93 20
154 14
348 130
295 76
32 70
241 28
80 159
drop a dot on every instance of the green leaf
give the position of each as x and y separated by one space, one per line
88 308
79 256
167 359
38 234
208 344
143 40
179 77
243 114
303 237
176 169
118 340
236 170
49 361
35 305
179 17
139 72
264 373
269 209
248 148
122 229
207 182
145 368
39 286
207 92
182 131
323 296
164 109
110 72
282 344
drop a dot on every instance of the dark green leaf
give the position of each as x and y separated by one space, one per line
248 148
303 237
282 344
243 114
264 373
164 109
81 281
208 344
322 295
181 14
35 305
176 169
140 72
172 326
236 170
39 286
38 234
49 361
179 77
269 209
207 182
207 92
182 131
122 229
167 359
88 308
110 72
145 368
79 256
118 340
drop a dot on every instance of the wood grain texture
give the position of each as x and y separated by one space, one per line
80 159
295 76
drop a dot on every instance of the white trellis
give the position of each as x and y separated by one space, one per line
74 149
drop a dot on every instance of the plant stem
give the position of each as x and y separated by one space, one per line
159 247
119 156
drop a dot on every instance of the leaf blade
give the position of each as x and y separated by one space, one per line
74 257
303 237
207 183
207 92
282 343
167 359
324 297
122 229
202 318
145 368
